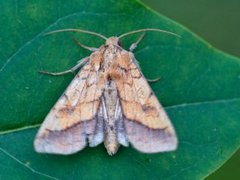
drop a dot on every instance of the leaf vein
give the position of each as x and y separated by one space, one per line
26 166
183 105
203 103
49 27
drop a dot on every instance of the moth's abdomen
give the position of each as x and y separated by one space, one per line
110 97
110 141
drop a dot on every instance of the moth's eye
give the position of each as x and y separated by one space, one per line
119 43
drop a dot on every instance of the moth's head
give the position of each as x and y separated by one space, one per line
112 41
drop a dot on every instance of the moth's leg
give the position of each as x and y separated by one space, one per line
92 49
72 70
134 45
153 80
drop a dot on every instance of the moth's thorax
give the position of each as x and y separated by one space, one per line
110 54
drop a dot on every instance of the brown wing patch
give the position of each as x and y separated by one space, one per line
137 99
79 102
147 125
74 113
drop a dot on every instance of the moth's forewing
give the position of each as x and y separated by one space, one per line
74 119
147 126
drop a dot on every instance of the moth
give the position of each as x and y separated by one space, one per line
109 101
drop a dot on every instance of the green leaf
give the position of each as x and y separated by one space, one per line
199 88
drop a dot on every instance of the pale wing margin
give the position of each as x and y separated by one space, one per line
76 117
147 125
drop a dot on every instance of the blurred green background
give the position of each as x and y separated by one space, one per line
216 21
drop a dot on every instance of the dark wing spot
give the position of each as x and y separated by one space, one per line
146 108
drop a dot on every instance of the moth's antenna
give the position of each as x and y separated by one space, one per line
77 30
147 29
